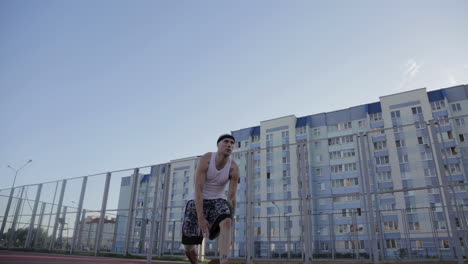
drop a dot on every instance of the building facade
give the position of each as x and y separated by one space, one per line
384 179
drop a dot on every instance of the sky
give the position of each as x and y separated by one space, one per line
94 86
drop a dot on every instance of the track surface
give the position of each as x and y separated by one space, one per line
15 257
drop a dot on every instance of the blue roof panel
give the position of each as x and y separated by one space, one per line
374 108
438 95
303 121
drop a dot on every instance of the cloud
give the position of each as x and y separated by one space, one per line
410 69
452 80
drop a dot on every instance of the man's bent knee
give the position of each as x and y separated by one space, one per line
226 223
189 247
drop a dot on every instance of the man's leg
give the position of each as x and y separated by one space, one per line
224 240
191 253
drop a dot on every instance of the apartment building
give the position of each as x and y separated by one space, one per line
370 179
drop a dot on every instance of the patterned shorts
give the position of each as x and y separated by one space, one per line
215 211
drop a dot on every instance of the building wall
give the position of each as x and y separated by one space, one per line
313 164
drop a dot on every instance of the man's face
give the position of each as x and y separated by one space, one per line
225 146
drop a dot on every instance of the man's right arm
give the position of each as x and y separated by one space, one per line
200 178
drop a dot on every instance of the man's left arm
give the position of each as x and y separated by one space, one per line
233 183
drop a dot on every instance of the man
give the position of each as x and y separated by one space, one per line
209 214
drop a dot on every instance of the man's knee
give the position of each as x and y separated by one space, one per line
226 223
189 247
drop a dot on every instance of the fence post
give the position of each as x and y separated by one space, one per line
77 226
100 226
33 217
131 209
57 216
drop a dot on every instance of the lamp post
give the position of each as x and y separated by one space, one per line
17 170
279 225
7 210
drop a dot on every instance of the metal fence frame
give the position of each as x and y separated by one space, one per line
310 239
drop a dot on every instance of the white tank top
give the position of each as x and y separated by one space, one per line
216 180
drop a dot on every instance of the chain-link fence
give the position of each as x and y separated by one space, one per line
369 193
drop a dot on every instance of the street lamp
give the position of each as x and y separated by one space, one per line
17 170
7 210
279 226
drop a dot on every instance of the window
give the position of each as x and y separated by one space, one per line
335 155
414 226
388 207
449 152
318 158
258 231
334 141
321 186
443 120
440 225
426 155
375 117
285 134
462 137
429 172
332 128
348 198
390 225
454 168
380 145
416 110
420 125
419 244
377 130
349 228
362 123
344 126
395 114
269 137
382 160
349 182
403 158
456 107
340 168
400 143
423 140
349 153
444 244
323 245
384 176
349 212
317 144
347 139
354 244
316 131
340 140
392 243
437 105
459 122
397 130
342 154
318 172
301 130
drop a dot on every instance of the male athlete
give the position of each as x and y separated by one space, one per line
209 214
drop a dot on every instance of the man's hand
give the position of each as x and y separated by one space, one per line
204 226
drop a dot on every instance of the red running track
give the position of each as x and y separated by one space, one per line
15 257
